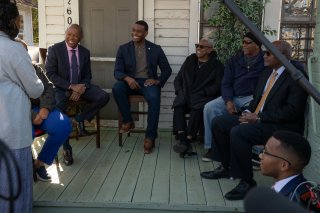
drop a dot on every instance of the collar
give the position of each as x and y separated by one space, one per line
280 70
70 48
281 183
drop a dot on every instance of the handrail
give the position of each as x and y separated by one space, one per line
295 73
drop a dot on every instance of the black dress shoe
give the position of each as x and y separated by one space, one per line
180 147
188 152
67 157
240 191
81 129
219 172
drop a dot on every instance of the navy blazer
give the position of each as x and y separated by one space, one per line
126 62
290 187
58 67
285 105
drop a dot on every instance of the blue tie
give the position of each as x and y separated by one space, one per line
74 68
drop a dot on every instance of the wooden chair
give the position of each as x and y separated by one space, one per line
133 99
75 107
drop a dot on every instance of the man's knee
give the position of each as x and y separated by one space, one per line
118 87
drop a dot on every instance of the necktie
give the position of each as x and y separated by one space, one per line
266 93
74 68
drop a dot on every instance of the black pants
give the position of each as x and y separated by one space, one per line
233 143
194 123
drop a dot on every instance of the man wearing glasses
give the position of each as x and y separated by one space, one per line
239 81
278 103
284 157
198 82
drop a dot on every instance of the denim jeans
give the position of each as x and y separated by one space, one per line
58 127
216 108
121 91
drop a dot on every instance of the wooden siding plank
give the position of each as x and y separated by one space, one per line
178 51
111 183
55 38
174 33
54 3
172 42
51 29
161 187
172 14
176 59
55 20
171 5
129 180
172 24
54 11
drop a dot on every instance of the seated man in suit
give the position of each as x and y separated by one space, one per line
284 157
197 83
136 72
68 67
279 103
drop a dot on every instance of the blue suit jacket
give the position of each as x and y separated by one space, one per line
58 67
290 187
126 62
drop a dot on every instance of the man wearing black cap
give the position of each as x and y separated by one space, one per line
239 81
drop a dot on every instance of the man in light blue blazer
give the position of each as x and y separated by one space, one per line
136 72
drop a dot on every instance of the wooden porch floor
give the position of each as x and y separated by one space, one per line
123 179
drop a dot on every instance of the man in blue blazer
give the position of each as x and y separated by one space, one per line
136 72
68 67
284 157
278 104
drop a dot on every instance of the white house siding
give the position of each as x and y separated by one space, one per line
173 24
172 30
25 11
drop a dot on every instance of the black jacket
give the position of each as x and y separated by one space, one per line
197 86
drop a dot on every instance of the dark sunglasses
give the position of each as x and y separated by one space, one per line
267 53
200 46
247 42
264 152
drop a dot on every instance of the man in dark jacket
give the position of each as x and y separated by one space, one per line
136 73
239 81
198 82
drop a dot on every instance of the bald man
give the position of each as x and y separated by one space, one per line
68 67
197 83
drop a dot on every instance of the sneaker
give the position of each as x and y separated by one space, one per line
42 174
208 157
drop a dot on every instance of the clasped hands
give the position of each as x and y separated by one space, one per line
77 91
134 85
245 117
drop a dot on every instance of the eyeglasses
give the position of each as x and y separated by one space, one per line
200 46
267 53
247 42
264 152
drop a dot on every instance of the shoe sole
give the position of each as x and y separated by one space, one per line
207 160
42 179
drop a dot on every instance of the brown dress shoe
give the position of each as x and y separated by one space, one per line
148 145
126 127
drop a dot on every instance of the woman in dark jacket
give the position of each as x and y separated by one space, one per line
198 82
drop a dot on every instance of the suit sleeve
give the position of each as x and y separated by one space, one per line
52 69
164 67
119 65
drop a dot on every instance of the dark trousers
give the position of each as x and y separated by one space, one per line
96 97
180 121
121 91
233 143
